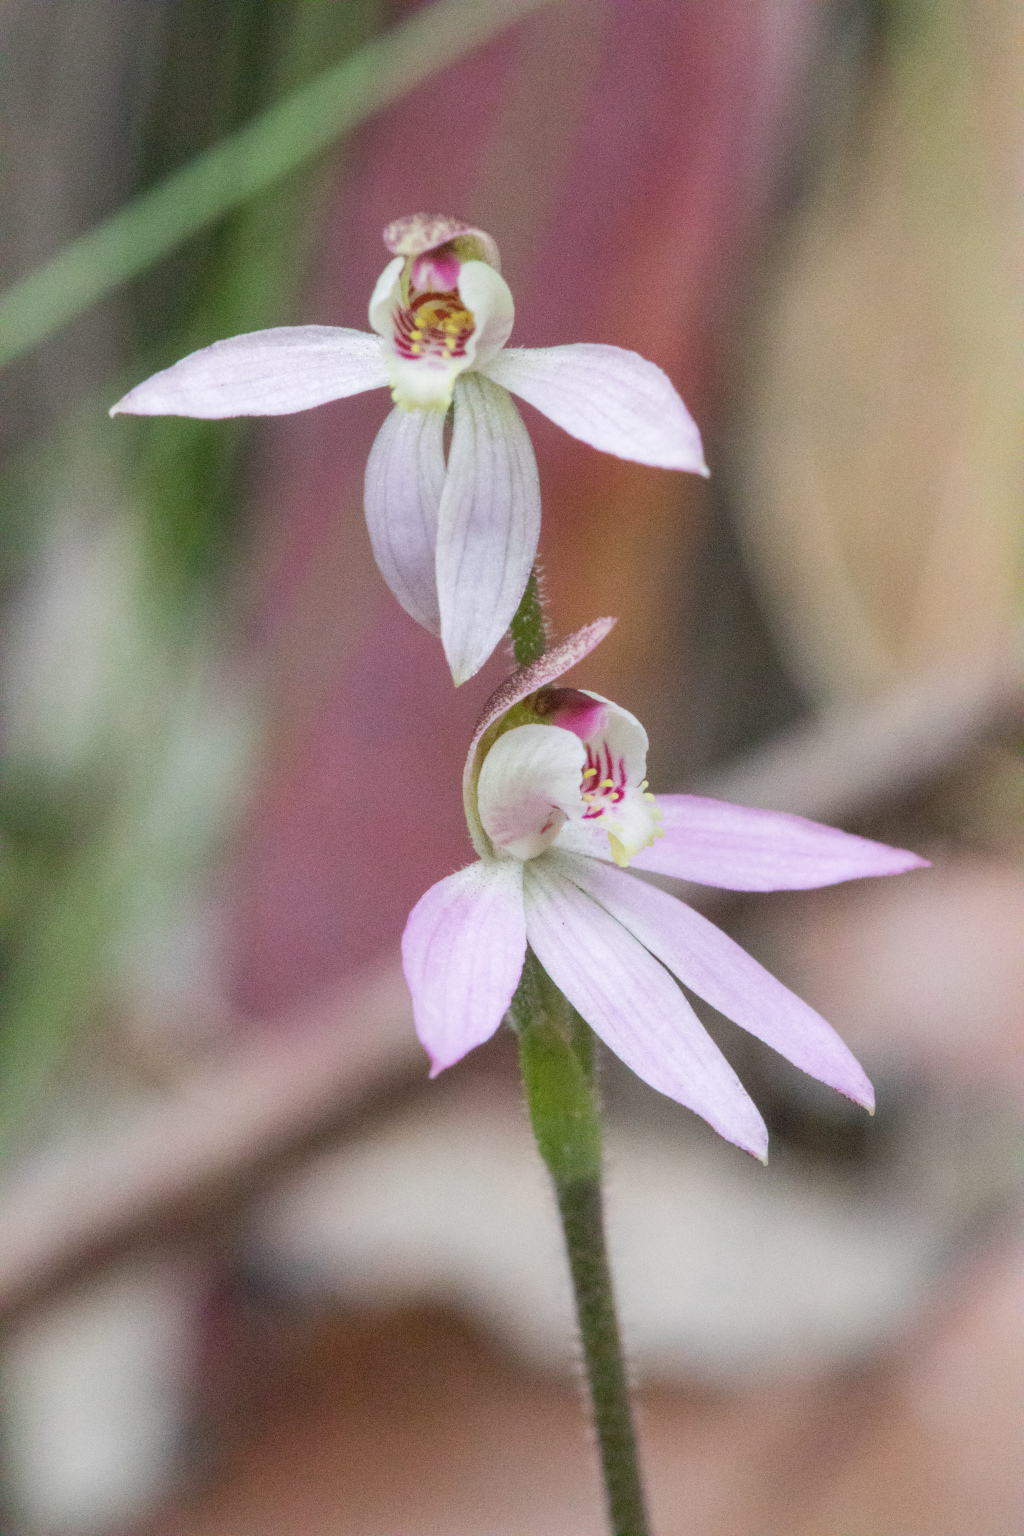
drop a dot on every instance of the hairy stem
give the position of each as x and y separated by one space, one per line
555 1056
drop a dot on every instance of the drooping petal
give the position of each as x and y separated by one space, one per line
431 338
529 783
718 970
610 398
462 952
741 848
263 373
488 525
404 482
633 1004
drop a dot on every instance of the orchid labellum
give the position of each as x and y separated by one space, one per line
454 536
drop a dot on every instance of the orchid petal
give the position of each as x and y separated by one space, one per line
610 398
742 848
707 961
529 783
486 293
462 952
404 482
633 1004
263 373
488 525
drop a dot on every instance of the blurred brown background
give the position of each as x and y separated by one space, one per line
257 1275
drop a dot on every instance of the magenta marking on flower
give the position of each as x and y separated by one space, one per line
434 328
547 877
609 781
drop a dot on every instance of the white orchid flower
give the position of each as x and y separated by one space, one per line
555 799
454 540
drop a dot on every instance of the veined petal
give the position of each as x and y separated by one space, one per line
718 970
404 482
488 525
633 1004
529 783
610 398
741 848
263 373
462 952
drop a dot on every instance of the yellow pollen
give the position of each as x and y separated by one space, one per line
416 335
607 784
648 795
588 771
643 784
415 349
589 797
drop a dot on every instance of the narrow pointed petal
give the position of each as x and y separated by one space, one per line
610 398
634 1005
462 952
741 848
264 373
718 970
404 482
488 525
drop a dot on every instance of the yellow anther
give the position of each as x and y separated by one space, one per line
648 795
416 335
415 349
607 784
588 797
587 772
643 784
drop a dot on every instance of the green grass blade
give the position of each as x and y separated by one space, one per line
244 163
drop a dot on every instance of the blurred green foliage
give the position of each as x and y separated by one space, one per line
103 819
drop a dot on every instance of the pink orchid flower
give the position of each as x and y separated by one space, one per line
455 540
556 798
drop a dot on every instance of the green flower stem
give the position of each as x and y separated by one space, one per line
556 1059
529 634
